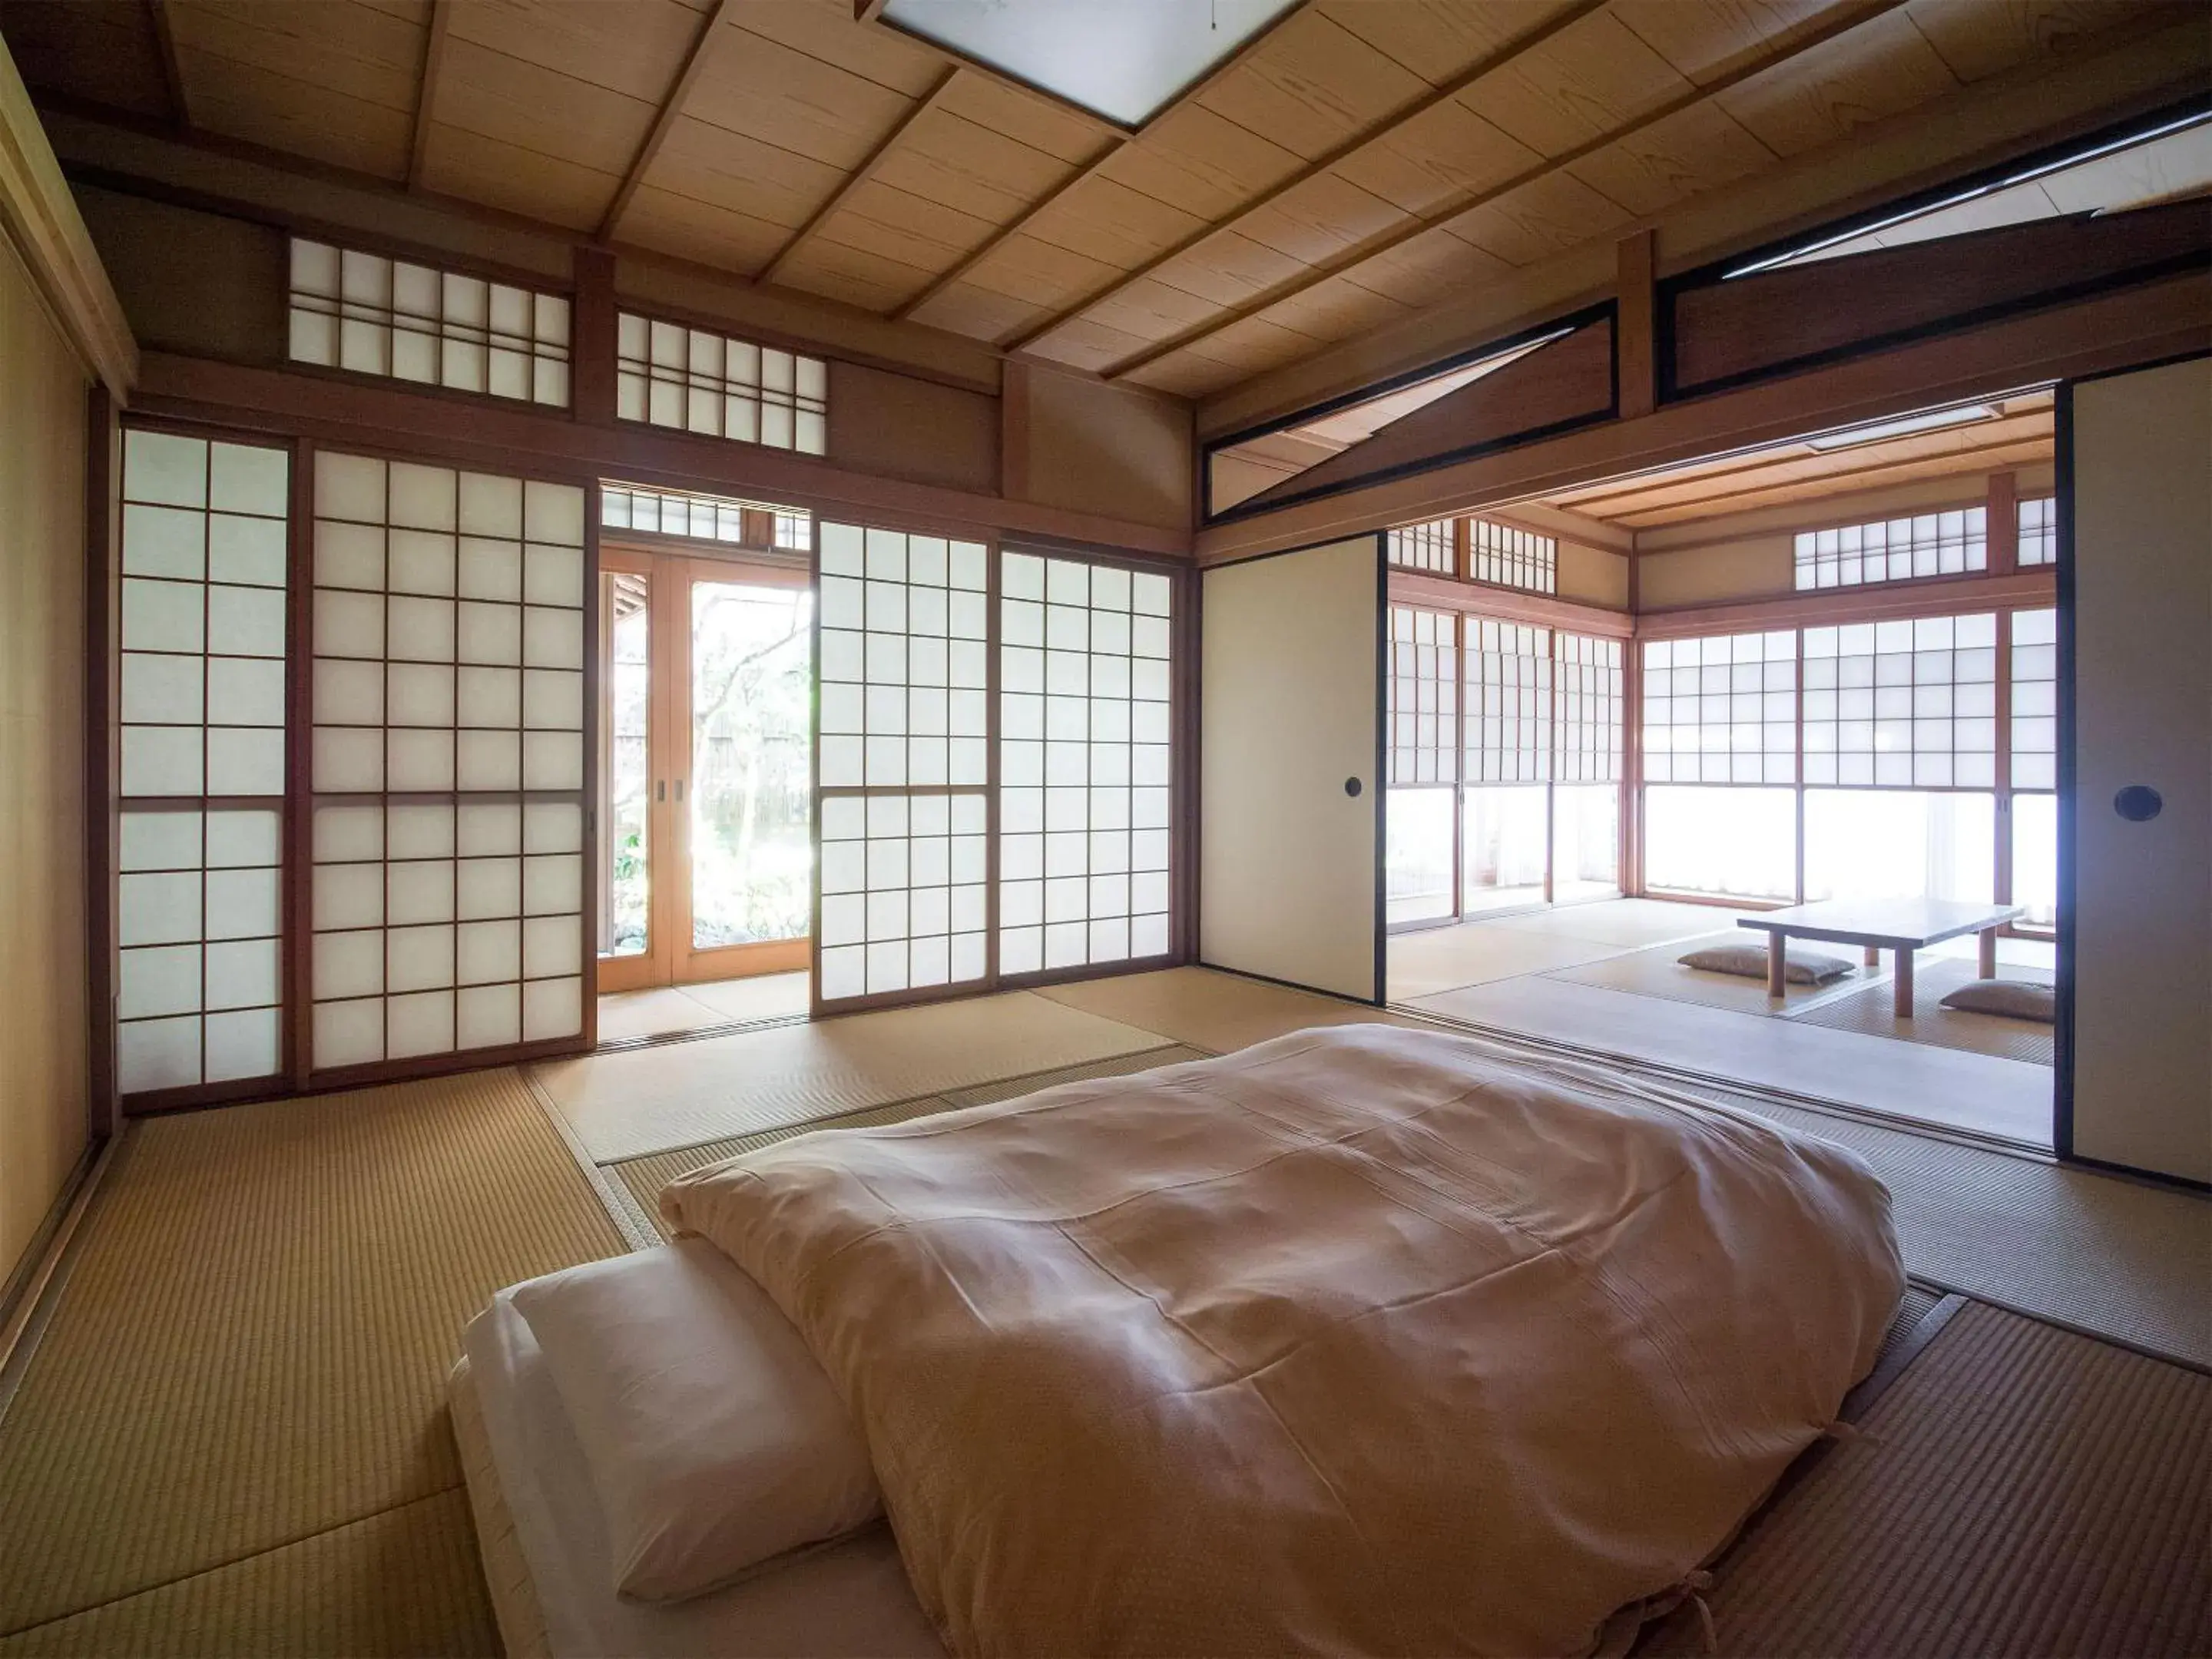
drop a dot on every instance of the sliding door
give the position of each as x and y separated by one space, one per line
2135 894
1290 750
705 738
903 766
448 833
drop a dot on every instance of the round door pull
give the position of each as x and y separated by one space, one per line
2138 802
1351 787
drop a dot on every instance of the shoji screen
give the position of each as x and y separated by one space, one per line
449 771
904 764
1084 764
202 638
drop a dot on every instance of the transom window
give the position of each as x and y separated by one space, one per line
694 381
1513 557
372 315
1424 547
1946 544
703 518
2038 530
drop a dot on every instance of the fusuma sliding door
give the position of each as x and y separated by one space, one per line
1291 753
2134 909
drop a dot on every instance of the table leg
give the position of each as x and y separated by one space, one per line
1903 980
1778 948
1988 963
1874 956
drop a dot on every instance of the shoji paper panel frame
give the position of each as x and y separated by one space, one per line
203 645
862 806
471 943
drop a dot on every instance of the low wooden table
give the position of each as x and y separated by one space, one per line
1902 925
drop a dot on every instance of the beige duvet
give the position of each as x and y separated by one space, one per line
1360 1340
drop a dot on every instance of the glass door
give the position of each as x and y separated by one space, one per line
743 790
706 735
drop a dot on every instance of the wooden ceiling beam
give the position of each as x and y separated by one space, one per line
1080 174
1083 172
173 68
1842 21
426 90
671 107
1374 133
859 176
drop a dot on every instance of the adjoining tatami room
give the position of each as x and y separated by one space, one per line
1843 658
916 829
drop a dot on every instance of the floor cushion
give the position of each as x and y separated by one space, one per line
2015 998
1807 968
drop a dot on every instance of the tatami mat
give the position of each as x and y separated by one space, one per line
646 1176
1973 1094
1433 959
1658 971
625 1015
403 1581
1627 923
2122 1259
1211 1010
1873 1012
2018 1491
250 1350
627 1105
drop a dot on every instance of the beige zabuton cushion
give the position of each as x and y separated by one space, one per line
2015 999
1750 960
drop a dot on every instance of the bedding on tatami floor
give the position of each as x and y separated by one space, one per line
231 1438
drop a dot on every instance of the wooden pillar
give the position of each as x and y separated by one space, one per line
102 824
1636 354
2003 524
1014 431
592 329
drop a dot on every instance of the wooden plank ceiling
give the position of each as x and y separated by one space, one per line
2019 434
1363 160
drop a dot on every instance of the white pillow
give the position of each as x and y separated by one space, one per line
713 1440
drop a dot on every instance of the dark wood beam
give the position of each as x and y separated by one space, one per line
426 92
1841 20
1374 133
671 107
172 72
859 176
1636 264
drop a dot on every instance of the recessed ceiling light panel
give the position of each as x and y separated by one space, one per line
1123 59
1933 420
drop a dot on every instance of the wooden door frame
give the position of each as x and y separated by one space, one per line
650 967
689 964
669 957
